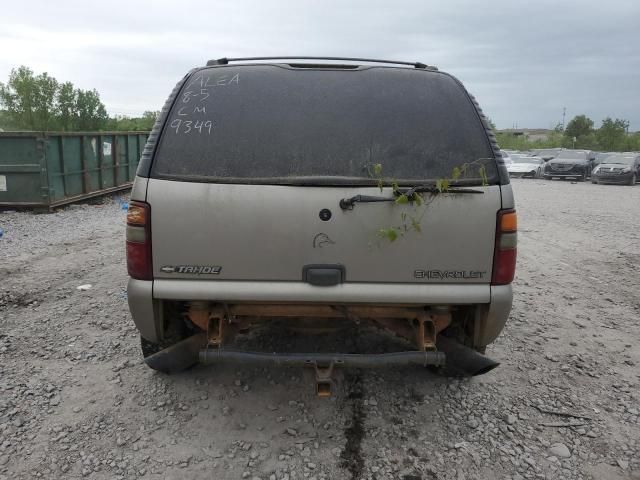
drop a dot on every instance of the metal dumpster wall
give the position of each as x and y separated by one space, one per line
21 163
51 169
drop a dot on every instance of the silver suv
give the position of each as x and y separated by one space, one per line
324 192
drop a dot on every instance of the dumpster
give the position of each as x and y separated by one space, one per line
44 170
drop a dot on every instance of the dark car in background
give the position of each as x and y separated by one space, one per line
600 157
574 164
620 168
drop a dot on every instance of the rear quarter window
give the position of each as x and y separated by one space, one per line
266 122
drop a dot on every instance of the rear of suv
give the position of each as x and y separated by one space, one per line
321 193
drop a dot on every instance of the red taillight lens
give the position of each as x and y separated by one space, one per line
139 263
505 253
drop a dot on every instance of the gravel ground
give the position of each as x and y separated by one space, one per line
76 400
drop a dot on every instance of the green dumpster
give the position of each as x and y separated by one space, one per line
45 170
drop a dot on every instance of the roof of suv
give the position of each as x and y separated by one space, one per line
225 60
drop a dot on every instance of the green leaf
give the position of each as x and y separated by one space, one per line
483 175
455 173
442 185
389 233
377 169
415 224
402 199
417 198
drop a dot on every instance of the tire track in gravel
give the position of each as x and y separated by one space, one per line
351 456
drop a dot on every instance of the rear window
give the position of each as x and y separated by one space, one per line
266 123
622 159
573 155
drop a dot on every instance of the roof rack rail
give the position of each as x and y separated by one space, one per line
225 60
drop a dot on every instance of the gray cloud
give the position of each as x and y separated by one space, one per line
524 61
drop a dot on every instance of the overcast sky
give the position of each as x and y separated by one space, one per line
523 60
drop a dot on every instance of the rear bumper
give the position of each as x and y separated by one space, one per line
575 172
615 179
494 302
530 174
241 291
564 174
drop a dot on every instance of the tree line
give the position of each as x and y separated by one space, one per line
42 103
580 132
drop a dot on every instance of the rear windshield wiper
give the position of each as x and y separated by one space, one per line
348 203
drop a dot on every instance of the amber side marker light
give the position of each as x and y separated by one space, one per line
505 252
137 214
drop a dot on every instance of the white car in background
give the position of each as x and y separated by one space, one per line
525 166
506 158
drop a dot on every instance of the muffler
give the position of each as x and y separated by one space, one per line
463 360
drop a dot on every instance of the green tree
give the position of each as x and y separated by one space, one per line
30 100
91 112
612 135
148 119
632 143
143 123
579 126
41 103
67 106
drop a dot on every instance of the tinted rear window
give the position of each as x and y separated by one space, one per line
572 155
270 122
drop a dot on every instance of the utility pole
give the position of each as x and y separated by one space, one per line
564 112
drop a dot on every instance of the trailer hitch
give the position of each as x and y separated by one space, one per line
323 363
324 382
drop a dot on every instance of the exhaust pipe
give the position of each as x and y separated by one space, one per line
464 360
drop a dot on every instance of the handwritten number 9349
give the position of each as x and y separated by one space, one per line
190 126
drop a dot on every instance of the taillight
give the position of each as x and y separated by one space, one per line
139 263
504 257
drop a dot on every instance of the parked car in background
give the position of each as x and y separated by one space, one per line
546 153
526 166
618 168
573 164
506 158
599 157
